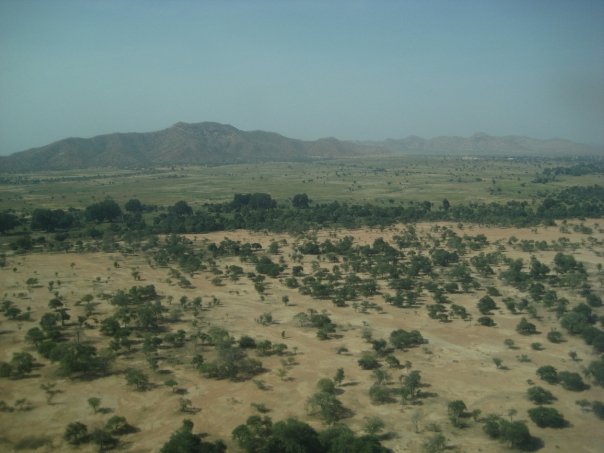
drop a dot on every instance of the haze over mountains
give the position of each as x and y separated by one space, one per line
211 143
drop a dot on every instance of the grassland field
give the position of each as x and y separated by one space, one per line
382 180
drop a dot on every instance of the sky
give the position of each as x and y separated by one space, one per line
354 69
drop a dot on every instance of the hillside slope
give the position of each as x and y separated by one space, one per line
214 143
181 144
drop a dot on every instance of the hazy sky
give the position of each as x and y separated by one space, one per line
306 69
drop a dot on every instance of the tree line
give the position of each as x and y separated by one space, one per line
259 211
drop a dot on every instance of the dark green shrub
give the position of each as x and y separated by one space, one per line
554 336
539 395
486 321
598 408
368 362
486 304
549 374
380 394
76 433
526 328
572 381
547 417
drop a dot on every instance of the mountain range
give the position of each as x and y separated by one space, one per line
211 143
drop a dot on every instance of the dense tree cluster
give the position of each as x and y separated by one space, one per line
184 441
106 210
51 219
261 435
231 359
514 433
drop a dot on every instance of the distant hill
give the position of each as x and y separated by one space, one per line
483 144
181 144
213 144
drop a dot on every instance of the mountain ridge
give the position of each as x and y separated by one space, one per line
211 143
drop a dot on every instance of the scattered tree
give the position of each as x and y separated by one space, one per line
539 395
76 433
547 417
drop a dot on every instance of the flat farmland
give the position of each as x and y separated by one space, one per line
381 180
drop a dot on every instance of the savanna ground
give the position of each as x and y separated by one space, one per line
456 363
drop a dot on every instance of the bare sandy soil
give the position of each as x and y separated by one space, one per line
456 363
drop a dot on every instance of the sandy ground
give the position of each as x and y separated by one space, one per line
456 364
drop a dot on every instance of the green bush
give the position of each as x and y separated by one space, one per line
368 362
572 381
598 408
547 417
380 394
486 321
76 433
539 395
549 374
554 336
526 328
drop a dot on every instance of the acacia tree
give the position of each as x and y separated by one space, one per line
103 439
596 371
134 206
539 395
547 417
373 425
104 210
50 390
137 379
326 406
8 221
435 444
76 433
94 402
20 365
411 385
486 304
300 201
457 410
525 327
118 425
515 433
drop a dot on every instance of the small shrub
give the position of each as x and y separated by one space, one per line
555 336
435 444
379 394
373 425
486 321
525 327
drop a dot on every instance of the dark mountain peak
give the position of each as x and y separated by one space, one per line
205 125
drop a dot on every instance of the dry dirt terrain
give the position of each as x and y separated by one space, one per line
455 363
